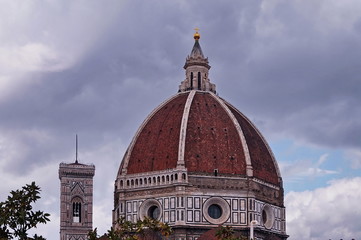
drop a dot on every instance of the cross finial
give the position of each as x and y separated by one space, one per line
197 35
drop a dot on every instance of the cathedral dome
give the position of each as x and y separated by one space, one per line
200 132
203 133
196 162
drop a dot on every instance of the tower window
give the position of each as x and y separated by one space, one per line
76 212
216 172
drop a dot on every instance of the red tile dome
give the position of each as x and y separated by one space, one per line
198 131
203 133
196 162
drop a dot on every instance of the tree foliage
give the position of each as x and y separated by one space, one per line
17 215
227 233
127 230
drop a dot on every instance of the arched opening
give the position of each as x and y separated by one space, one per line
199 81
77 210
191 80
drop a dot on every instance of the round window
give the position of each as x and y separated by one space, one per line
268 216
264 215
153 212
150 208
215 211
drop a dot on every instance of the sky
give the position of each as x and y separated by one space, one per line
98 68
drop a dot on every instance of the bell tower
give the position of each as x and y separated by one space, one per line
76 200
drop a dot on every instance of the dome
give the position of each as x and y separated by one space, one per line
205 134
197 162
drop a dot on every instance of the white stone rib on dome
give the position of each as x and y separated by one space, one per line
240 133
183 129
263 139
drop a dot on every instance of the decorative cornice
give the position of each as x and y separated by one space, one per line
76 170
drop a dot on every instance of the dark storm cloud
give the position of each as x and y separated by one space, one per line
291 76
303 79
135 65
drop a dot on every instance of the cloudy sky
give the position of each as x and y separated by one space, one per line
97 68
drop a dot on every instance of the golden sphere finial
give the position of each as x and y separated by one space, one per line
197 36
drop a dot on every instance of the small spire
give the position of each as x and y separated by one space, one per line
197 36
197 50
76 148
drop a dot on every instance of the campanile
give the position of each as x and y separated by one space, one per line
76 200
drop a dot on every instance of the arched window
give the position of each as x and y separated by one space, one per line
199 81
191 80
76 212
